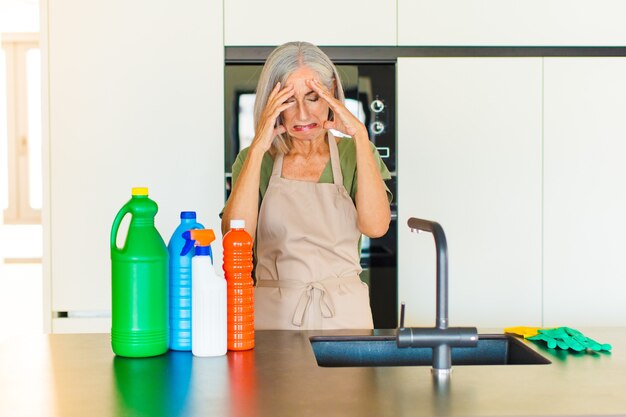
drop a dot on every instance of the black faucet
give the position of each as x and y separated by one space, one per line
440 338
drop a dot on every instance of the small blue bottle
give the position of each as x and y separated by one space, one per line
180 284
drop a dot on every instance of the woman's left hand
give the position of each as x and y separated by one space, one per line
372 206
344 121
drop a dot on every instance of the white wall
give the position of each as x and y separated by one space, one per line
427 22
134 99
521 161
585 191
512 22
469 158
19 16
325 22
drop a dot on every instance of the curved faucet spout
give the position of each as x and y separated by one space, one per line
441 246
440 338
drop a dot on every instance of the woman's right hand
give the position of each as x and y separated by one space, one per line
267 129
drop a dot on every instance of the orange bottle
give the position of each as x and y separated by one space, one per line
239 286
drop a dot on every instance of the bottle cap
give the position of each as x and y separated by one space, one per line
237 224
187 214
203 237
140 191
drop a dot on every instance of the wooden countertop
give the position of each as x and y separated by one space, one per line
78 375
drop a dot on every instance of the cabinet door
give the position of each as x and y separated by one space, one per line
512 22
469 157
325 22
585 191
129 105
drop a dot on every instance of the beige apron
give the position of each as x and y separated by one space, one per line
308 259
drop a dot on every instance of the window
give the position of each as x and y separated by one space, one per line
20 125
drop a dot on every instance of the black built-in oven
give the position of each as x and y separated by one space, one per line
370 94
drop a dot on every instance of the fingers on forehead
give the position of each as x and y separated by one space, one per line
317 87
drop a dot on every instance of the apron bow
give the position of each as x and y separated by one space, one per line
306 297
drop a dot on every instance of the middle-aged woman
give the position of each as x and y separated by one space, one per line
307 197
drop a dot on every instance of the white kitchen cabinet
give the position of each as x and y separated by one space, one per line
325 22
134 95
511 22
585 191
469 157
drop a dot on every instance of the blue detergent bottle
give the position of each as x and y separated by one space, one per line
180 283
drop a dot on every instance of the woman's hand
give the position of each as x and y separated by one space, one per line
372 206
344 121
267 129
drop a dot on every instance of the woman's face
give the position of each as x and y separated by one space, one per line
305 119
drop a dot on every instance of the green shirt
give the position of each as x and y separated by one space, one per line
347 161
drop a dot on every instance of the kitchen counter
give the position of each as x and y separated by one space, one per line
78 375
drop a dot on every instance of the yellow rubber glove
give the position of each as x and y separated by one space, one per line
523 331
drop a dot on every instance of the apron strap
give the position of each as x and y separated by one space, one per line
334 159
277 169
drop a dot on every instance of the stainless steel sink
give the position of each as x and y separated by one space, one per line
344 351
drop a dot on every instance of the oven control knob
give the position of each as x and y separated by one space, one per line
377 106
377 127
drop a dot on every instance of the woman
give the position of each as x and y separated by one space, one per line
291 186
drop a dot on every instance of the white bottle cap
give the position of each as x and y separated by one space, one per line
237 224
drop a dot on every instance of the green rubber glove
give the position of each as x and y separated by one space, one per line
568 338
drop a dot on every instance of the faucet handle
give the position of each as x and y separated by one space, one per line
402 307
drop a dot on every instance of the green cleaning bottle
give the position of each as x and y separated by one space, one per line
139 272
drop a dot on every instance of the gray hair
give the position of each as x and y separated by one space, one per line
280 64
